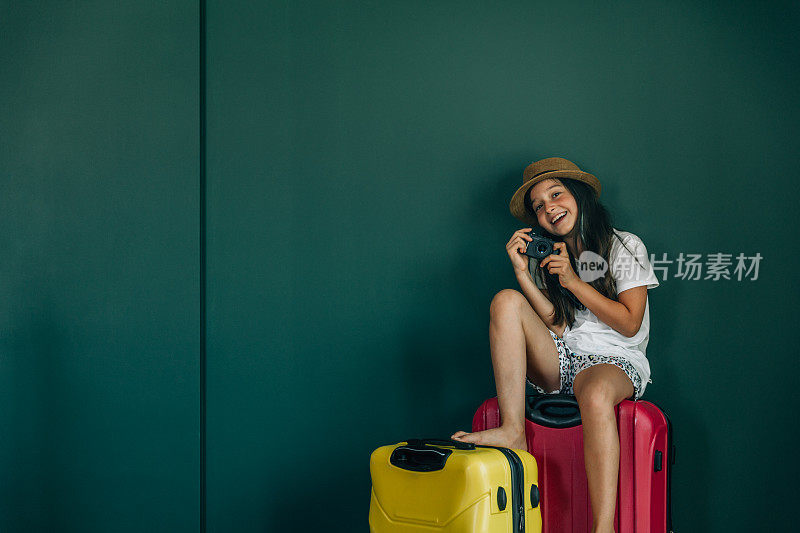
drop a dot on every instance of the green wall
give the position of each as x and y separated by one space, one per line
99 269
360 158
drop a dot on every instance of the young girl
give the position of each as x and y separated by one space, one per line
591 344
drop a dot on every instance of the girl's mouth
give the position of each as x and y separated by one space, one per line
559 218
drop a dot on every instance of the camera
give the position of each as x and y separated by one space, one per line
540 247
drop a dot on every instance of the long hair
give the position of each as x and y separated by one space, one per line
596 231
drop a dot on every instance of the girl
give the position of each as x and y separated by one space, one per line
590 344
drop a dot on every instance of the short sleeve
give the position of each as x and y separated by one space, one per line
630 265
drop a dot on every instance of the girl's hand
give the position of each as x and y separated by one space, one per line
560 264
516 249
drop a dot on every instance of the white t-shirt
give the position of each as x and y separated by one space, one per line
588 335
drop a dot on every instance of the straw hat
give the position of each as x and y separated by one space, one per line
552 167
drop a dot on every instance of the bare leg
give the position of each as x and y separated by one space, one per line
520 344
598 389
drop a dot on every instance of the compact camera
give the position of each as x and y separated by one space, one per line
540 247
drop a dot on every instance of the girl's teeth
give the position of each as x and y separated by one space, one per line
559 217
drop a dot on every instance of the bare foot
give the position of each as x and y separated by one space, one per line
505 436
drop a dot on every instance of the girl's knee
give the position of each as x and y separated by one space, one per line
594 396
505 300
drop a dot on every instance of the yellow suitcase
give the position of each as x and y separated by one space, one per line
448 486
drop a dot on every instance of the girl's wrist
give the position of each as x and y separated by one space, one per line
576 285
525 273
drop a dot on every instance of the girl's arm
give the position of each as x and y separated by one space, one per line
624 316
539 301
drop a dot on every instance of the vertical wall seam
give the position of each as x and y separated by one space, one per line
202 184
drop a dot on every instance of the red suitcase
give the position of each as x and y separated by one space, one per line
555 439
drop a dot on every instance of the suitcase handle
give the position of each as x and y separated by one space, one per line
417 456
457 444
553 410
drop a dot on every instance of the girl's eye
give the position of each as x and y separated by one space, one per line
537 208
556 194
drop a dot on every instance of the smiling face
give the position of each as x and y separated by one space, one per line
554 206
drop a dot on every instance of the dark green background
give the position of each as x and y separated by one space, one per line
360 158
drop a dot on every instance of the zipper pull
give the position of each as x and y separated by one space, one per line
522 518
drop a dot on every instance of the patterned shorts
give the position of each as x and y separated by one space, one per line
570 363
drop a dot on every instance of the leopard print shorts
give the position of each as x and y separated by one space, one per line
571 363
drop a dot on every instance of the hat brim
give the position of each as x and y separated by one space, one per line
517 204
